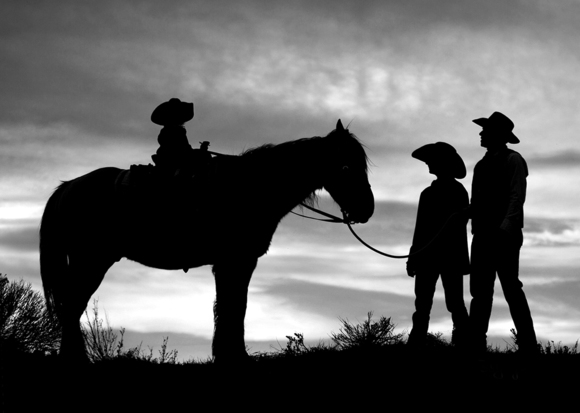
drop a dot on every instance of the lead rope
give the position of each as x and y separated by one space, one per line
344 220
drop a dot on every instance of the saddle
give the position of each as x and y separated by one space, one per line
149 186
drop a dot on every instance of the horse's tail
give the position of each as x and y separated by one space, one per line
53 255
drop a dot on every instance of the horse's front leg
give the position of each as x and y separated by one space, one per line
232 280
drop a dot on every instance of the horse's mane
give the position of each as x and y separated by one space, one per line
298 143
291 149
266 148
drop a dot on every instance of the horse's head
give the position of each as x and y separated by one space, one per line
346 179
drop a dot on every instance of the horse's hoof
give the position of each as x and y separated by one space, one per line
74 360
234 361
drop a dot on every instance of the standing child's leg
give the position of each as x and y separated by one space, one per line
453 287
425 283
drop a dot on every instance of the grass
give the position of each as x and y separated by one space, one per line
364 360
26 326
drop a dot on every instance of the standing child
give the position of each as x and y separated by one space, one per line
447 256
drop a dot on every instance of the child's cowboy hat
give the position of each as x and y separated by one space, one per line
442 154
174 112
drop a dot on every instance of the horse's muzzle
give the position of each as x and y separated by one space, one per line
362 210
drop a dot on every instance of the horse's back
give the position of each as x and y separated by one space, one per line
101 177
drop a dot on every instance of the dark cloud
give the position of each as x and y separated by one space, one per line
103 66
21 268
421 14
567 159
62 64
334 302
551 225
554 277
231 130
552 232
25 239
392 224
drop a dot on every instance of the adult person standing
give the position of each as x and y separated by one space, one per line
497 212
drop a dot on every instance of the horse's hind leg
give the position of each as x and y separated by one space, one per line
83 278
232 280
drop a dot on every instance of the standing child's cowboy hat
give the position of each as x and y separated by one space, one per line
498 122
174 112
442 154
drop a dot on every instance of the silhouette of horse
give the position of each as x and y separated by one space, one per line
88 225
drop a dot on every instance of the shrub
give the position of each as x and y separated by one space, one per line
367 334
25 323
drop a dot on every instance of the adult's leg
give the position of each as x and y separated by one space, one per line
481 286
508 274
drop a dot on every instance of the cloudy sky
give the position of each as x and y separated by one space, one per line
78 82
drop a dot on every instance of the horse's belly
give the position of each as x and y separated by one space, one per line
176 242
165 261
169 253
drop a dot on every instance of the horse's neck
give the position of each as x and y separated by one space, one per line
300 169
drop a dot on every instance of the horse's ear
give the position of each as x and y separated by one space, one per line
339 126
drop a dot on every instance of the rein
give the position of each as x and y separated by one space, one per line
334 219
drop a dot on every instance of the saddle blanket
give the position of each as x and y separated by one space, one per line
137 177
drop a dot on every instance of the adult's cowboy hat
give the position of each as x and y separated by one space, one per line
498 122
442 154
174 112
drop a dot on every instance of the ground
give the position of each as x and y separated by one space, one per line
358 379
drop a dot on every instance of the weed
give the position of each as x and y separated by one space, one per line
436 340
552 348
102 343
